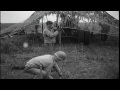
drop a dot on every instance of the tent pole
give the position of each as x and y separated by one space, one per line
59 31
57 16
42 24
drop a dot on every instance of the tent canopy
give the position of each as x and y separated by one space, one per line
99 16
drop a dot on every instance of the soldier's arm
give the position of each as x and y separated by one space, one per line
48 70
56 67
41 73
50 34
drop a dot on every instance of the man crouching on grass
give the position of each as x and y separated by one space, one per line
42 65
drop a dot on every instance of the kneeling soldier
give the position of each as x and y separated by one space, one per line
42 65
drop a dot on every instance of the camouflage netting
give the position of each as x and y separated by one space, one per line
94 17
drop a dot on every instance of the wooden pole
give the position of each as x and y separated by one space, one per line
57 17
60 39
59 31
42 24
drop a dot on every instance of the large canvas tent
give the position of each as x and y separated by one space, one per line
92 16
19 26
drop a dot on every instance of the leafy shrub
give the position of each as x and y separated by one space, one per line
15 43
32 39
35 38
3 60
8 47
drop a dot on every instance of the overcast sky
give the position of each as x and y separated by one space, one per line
19 16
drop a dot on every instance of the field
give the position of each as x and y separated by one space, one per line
95 61
5 25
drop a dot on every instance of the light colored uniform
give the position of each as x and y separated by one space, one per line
49 39
46 61
39 30
49 35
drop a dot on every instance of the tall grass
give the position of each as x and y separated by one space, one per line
95 62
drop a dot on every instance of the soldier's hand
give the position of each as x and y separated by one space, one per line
60 74
55 28
58 29
60 77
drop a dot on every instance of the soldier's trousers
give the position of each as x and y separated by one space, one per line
49 48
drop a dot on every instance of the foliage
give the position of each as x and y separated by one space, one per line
8 47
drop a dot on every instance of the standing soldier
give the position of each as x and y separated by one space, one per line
49 36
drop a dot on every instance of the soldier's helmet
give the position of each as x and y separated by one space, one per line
60 55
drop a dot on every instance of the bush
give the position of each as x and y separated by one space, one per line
15 43
3 60
32 39
35 38
18 40
8 47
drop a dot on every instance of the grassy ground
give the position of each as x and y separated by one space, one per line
94 62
